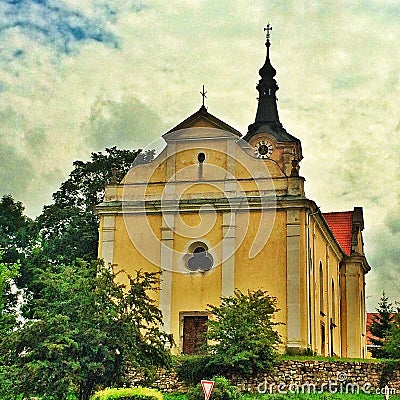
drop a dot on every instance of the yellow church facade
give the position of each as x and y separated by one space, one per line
217 211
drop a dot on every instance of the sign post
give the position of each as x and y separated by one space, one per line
386 392
207 388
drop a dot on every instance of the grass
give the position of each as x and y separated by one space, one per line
326 396
175 396
175 359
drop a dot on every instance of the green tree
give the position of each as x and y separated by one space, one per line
16 230
391 347
382 322
391 344
85 185
8 320
69 226
242 334
8 313
67 233
84 330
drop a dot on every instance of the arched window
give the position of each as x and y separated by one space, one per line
333 302
321 288
323 338
362 316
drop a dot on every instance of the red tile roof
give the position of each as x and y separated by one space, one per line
370 318
341 225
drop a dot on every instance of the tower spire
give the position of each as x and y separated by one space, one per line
267 110
267 118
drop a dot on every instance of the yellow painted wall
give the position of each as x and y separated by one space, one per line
127 257
267 270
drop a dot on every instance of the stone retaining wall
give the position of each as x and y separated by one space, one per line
307 375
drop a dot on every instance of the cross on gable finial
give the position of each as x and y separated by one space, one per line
203 93
268 29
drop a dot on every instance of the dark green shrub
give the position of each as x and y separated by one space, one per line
128 394
147 376
222 390
301 352
241 332
389 368
192 369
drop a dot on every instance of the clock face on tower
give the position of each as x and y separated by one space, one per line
263 149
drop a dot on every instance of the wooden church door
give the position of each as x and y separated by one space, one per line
194 331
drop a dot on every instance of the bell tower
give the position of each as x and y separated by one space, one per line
266 135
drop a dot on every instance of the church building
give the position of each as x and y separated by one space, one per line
218 210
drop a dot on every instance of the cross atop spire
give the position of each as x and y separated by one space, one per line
203 93
268 43
268 29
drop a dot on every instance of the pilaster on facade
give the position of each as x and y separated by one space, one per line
353 270
230 181
107 239
228 254
293 299
167 246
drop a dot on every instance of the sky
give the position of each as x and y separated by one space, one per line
79 76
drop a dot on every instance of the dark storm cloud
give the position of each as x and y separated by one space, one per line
52 23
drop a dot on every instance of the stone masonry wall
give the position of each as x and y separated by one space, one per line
307 376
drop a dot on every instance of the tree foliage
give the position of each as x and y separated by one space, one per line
242 334
85 185
16 230
391 343
8 319
67 233
84 330
381 327
391 348
8 313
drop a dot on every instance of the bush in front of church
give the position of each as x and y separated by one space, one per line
241 333
222 390
138 393
191 369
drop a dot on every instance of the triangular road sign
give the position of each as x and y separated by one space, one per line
207 388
